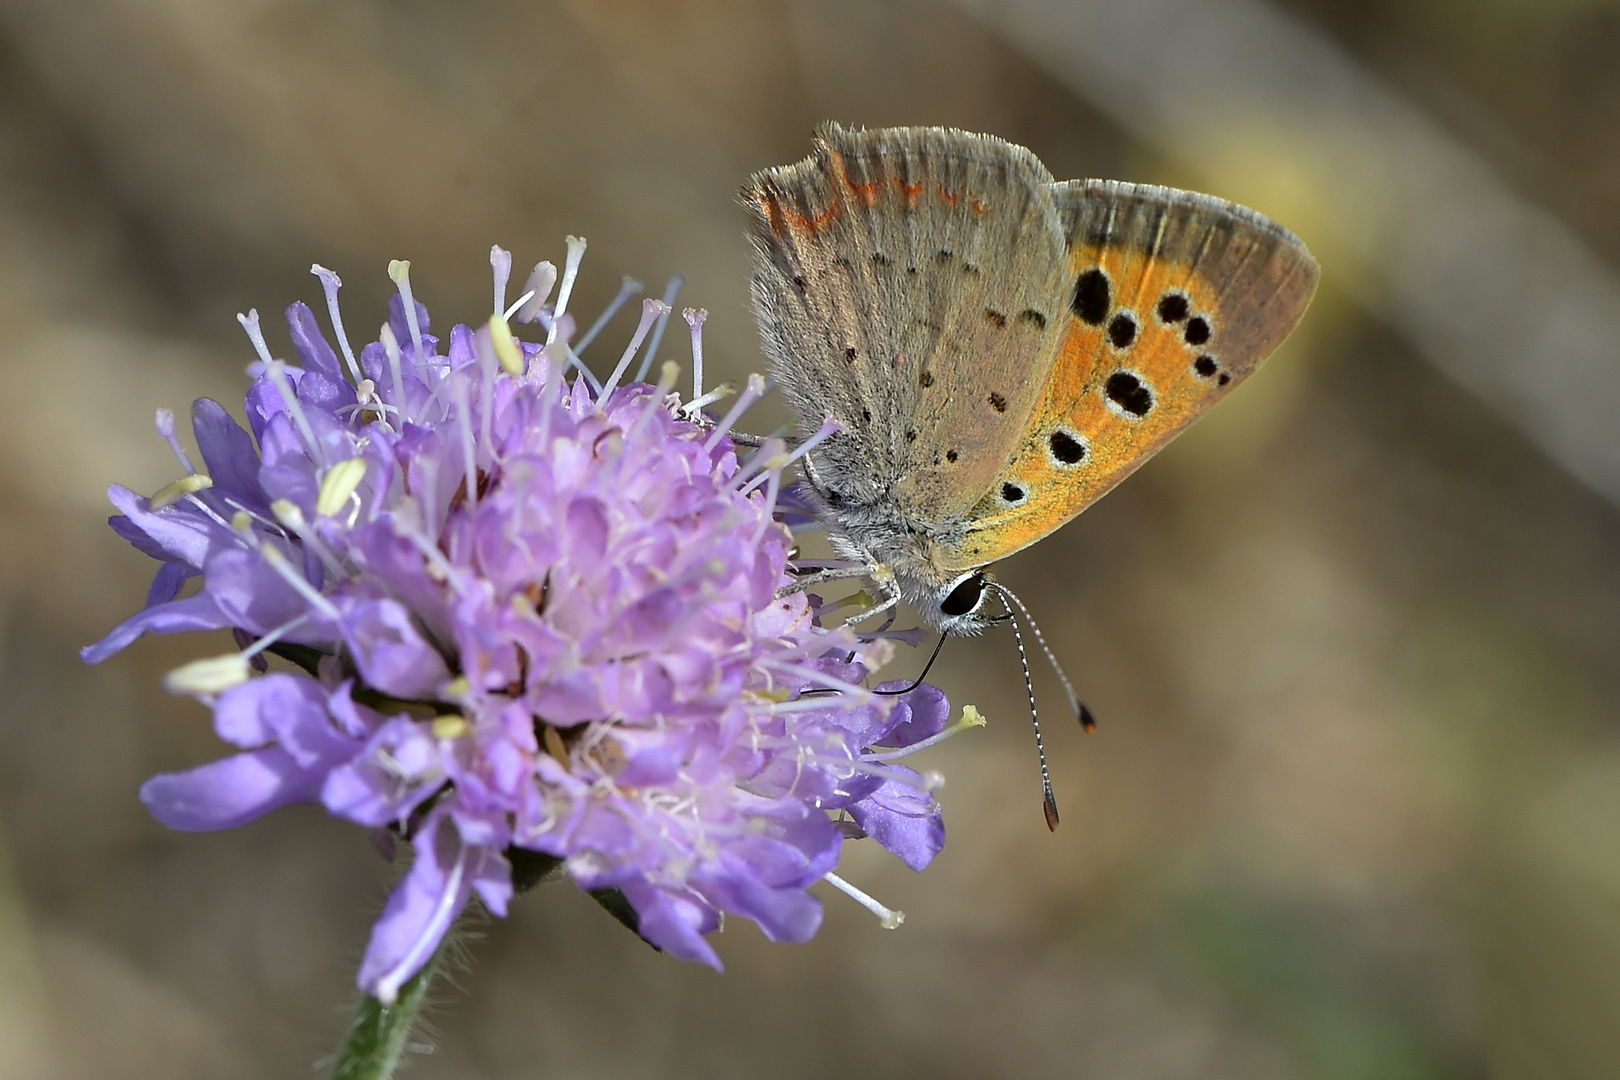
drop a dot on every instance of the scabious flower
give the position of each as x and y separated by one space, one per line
524 614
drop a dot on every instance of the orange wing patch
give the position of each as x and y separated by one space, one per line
1151 343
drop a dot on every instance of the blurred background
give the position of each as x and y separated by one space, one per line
1354 640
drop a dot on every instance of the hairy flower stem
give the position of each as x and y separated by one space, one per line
377 1035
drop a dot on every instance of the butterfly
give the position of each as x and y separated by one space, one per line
998 348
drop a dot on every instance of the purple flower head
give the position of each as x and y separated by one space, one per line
528 615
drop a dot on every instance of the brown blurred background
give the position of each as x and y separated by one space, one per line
1354 808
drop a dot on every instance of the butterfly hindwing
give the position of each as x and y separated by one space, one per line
1174 299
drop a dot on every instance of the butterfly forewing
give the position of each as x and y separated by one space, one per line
912 282
1174 299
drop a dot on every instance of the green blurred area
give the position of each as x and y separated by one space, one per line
1353 812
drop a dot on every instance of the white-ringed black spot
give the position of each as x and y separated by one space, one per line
1197 331
1067 447
1122 330
1173 307
1226 377
1092 296
1128 394
1205 365
1013 494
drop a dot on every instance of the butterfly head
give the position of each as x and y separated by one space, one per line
958 606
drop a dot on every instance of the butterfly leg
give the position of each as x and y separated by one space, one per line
821 577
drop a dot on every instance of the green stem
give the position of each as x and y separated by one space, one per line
377 1035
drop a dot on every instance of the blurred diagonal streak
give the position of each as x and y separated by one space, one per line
1497 293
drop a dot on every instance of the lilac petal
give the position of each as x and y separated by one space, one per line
290 710
396 770
228 452
491 877
311 343
230 792
919 715
250 593
419 911
786 914
167 581
182 535
674 924
193 613
462 350
390 652
903 819
401 327
327 395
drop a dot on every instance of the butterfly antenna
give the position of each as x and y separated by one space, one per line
1048 800
1083 714
926 667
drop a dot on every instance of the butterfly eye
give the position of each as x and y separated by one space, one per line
964 598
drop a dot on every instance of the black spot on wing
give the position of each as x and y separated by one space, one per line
998 403
1122 330
995 318
1173 307
1092 296
1033 317
1066 448
1205 366
1012 493
1129 393
1197 331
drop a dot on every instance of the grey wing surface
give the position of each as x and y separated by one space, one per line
912 283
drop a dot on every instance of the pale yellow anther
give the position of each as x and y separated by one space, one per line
972 717
178 490
288 513
668 372
210 676
338 485
506 346
399 270
457 688
858 599
449 726
778 694
242 521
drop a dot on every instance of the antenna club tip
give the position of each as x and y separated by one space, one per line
1087 721
1049 808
